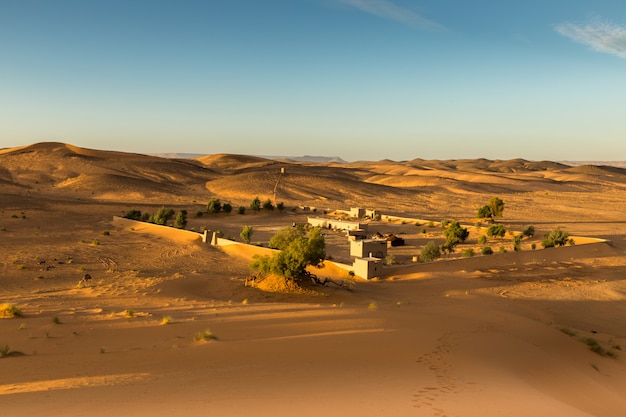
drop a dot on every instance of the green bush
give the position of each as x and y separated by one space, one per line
133 214
298 249
181 219
246 233
430 252
162 216
496 230
468 253
487 250
227 208
267 205
557 237
255 204
214 206
241 210
529 231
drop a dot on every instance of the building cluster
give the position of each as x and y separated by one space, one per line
368 253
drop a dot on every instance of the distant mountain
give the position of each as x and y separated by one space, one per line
174 155
305 158
309 158
618 164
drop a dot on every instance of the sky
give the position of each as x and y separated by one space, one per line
358 79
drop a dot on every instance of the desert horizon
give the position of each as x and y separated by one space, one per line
166 323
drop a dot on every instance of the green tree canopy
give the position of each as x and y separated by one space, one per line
267 205
430 252
298 249
161 216
214 206
557 237
496 230
181 219
255 204
529 231
495 208
454 235
246 233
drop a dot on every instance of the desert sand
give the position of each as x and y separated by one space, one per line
167 327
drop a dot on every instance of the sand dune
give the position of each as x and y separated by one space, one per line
167 326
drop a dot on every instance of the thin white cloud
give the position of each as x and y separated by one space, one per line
387 9
600 36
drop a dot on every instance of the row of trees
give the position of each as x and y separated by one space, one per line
214 206
161 217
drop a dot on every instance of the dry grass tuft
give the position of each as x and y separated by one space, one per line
9 311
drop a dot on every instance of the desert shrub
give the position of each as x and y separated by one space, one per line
430 252
5 352
390 260
377 217
246 233
214 206
145 217
267 205
161 216
227 208
495 208
298 249
205 335
482 239
529 231
133 214
255 204
533 246
280 206
181 219
454 234
241 210
431 224
468 253
557 237
502 249
517 243
95 242
496 230
424 231
487 250
167 320
9 311
484 212
106 233
199 213
594 346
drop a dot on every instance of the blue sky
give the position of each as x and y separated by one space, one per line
360 79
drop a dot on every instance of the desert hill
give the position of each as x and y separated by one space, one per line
68 171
